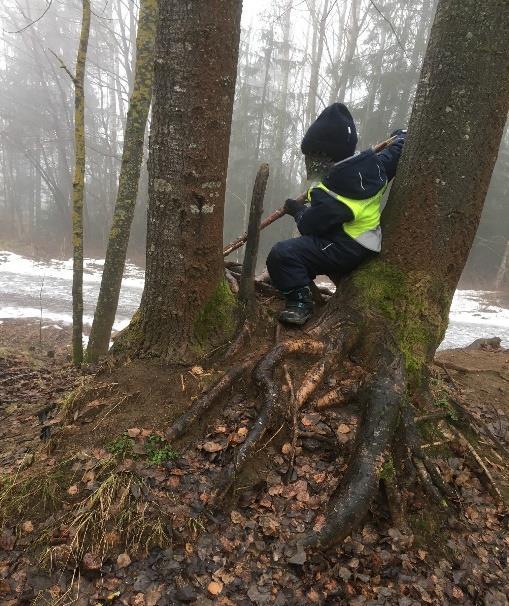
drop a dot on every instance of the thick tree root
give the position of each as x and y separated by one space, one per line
388 449
232 281
427 472
182 424
428 484
295 411
351 501
480 427
310 382
395 502
263 376
334 397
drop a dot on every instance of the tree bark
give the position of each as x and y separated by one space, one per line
78 188
187 305
128 183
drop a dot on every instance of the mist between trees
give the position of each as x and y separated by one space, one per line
295 58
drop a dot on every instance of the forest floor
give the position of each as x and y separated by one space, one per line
97 508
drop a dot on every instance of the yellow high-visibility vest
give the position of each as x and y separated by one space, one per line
365 226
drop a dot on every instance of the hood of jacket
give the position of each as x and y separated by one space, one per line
358 177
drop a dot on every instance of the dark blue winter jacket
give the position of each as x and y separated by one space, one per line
359 177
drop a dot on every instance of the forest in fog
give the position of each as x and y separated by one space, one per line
296 57
254 302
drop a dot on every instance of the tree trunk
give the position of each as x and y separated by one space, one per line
128 183
399 304
353 35
283 113
78 188
186 304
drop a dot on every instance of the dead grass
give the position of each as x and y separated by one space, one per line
119 515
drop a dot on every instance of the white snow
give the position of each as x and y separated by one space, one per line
473 313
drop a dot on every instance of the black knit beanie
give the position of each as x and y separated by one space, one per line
332 134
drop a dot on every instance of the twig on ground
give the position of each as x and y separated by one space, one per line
480 462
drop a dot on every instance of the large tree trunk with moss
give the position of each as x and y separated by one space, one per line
132 159
186 305
391 314
396 308
78 187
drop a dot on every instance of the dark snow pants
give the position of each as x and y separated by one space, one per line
296 262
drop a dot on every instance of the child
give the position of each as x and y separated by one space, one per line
341 227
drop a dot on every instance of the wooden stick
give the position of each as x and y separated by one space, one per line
277 214
477 457
247 279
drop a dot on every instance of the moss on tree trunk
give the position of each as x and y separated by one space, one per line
184 306
132 158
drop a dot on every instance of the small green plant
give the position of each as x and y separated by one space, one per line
388 472
159 451
444 404
121 446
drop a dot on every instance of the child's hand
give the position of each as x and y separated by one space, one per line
292 207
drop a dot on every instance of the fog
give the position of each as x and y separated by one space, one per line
295 58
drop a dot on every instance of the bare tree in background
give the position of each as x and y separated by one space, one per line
78 187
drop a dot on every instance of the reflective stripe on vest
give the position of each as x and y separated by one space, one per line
365 227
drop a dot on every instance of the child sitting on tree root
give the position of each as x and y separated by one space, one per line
341 227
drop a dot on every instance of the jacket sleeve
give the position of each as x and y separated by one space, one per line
389 157
325 215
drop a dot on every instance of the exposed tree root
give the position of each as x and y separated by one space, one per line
428 484
334 397
484 469
232 281
352 499
318 437
203 404
427 472
239 340
310 382
263 376
388 449
479 426
395 502
432 416
445 364
294 410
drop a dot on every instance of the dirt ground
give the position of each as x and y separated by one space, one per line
96 509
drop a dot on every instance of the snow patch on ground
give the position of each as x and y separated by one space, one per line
27 285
